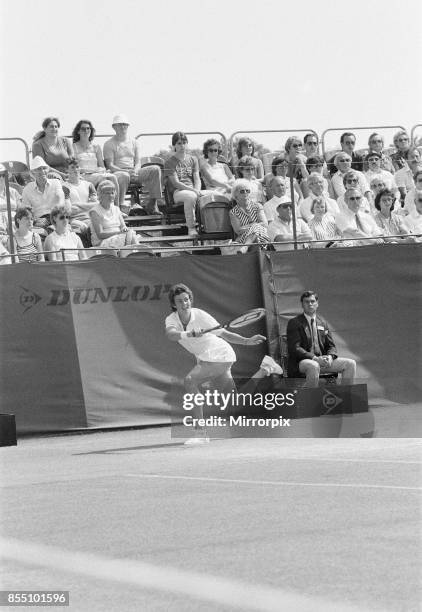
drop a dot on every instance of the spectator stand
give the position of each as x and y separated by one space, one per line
330 139
158 144
272 142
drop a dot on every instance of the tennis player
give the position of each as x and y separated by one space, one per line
212 350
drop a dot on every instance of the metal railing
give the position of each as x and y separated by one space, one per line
413 133
25 144
371 128
170 134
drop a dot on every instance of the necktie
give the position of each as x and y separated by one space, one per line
315 342
359 223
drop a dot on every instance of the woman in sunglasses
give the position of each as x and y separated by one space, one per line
247 217
63 238
216 175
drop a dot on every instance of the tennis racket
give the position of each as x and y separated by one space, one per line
247 318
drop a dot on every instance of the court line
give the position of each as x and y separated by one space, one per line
276 482
139 574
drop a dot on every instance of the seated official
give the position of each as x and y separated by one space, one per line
322 224
27 243
216 176
353 222
316 186
278 189
280 230
122 158
311 347
247 217
42 194
391 223
108 228
63 238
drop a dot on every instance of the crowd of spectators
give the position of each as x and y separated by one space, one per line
77 193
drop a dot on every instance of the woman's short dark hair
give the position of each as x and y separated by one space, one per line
316 160
380 194
209 143
75 133
178 136
277 161
23 211
417 173
177 290
241 142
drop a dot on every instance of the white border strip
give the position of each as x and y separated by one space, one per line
277 483
227 592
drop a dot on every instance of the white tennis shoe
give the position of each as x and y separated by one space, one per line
196 441
270 366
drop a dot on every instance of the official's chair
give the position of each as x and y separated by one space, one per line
328 377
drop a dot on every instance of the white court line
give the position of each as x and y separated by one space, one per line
194 585
276 482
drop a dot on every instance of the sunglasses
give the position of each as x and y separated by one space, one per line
62 217
212 150
355 198
403 139
244 190
297 146
85 129
352 180
285 206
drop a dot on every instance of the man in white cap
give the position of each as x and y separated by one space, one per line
122 157
43 193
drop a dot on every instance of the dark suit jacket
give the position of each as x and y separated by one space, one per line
299 342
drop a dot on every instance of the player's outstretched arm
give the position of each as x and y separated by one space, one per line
238 339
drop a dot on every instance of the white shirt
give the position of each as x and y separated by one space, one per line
282 228
340 189
306 204
414 222
42 202
347 225
404 178
208 347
